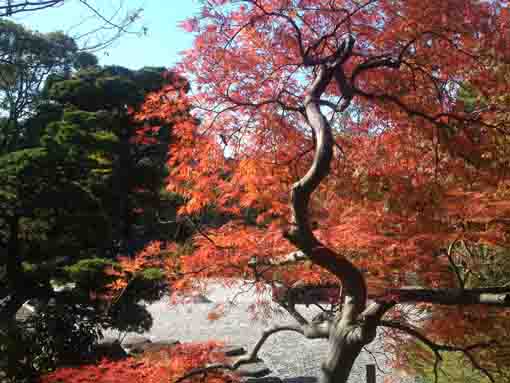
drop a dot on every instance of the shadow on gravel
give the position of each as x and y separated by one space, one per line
301 379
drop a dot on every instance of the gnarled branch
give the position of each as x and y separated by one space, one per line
301 234
310 332
491 296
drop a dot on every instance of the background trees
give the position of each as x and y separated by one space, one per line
81 181
134 153
28 58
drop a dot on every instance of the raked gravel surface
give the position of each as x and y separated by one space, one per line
288 355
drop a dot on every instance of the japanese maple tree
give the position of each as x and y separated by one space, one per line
152 367
363 143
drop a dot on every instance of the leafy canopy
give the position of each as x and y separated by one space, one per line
410 92
413 170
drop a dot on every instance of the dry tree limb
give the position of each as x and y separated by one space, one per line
307 331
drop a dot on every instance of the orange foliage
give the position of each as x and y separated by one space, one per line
413 170
403 185
154 367
128 267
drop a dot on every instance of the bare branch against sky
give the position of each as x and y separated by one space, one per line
98 25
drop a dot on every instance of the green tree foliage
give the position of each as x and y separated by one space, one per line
27 58
132 154
454 367
81 181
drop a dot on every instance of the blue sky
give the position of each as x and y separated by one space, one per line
160 47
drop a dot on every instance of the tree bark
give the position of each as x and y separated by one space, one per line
347 334
496 296
342 354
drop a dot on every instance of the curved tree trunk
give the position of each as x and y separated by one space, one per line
342 354
347 334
